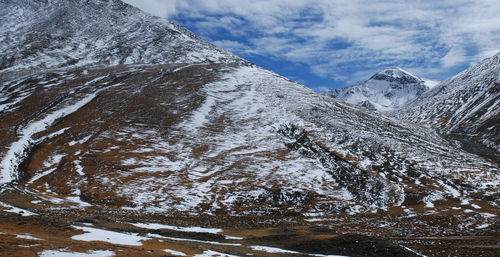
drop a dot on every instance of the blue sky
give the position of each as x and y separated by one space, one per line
334 43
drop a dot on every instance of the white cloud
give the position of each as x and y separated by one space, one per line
427 35
453 57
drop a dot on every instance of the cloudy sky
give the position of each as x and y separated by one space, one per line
334 43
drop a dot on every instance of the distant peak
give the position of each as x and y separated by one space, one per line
396 72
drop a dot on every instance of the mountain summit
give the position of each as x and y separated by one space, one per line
52 34
387 90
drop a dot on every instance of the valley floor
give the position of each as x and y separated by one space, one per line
105 232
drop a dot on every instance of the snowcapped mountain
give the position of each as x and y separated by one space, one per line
36 34
387 90
464 106
146 121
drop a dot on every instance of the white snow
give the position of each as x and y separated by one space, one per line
8 106
173 252
397 72
329 255
192 240
268 249
81 141
318 219
65 253
488 215
211 253
57 133
54 160
485 225
182 67
16 210
17 150
79 168
29 237
475 206
413 251
41 175
177 228
233 237
200 116
94 234
76 199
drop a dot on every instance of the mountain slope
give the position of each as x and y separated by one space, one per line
387 90
465 105
207 129
215 141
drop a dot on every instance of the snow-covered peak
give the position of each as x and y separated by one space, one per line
396 72
387 90
69 33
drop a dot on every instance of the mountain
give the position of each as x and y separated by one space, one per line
62 36
389 89
194 150
466 106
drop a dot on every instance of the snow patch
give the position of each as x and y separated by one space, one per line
28 237
413 251
79 168
17 150
64 253
192 240
94 234
81 141
268 249
76 199
475 206
176 228
233 237
56 159
173 252
210 253
41 175
485 225
16 210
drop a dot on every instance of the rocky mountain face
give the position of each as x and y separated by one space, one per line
389 89
466 107
153 125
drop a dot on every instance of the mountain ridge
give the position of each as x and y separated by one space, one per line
467 104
